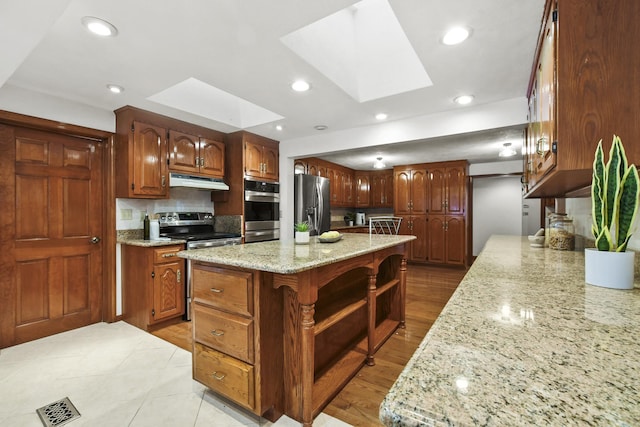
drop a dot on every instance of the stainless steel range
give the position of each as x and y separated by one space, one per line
197 228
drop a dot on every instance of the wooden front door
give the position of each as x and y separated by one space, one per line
52 186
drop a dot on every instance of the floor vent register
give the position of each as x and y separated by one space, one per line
58 413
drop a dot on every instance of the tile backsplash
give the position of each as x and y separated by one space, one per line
580 210
130 212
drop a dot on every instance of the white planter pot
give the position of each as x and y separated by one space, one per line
302 237
609 269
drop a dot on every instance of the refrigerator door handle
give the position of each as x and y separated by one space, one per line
320 213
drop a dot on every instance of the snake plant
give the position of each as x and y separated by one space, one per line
615 196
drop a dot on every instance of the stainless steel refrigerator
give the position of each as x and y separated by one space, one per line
311 199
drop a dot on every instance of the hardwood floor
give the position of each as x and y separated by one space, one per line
428 290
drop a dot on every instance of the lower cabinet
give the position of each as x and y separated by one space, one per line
416 225
232 310
446 239
153 285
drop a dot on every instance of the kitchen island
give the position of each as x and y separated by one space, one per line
281 328
524 341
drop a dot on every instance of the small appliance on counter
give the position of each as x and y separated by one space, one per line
360 218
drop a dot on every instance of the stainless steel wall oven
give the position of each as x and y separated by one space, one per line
261 210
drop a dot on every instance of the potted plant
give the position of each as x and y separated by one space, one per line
302 233
615 197
349 218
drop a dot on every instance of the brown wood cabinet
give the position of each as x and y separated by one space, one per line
362 190
580 92
261 157
432 200
195 155
237 321
141 152
416 225
153 285
410 202
447 188
410 195
143 158
446 243
382 189
245 155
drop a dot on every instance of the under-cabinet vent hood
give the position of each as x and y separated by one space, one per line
203 183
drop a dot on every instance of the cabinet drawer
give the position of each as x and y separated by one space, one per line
225 375
228 290
226 332
165 254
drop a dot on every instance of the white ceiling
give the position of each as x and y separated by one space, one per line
235 46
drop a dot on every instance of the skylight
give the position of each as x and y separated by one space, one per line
202 99
362 49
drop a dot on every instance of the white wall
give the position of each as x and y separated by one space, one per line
497 208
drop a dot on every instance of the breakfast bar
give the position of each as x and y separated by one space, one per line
524 341
281 328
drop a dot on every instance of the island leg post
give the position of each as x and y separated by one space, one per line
371 327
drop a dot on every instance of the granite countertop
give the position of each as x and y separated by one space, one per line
524 341
150 243
286 257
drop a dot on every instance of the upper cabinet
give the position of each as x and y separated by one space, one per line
197 155
261 157
141 153
382 188
362 190
149 146
447 188
410 190
577 92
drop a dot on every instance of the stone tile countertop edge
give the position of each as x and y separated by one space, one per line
524 341
150 243
285 257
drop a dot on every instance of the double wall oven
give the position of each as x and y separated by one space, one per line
261 210
198 229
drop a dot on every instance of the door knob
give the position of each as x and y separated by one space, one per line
95 239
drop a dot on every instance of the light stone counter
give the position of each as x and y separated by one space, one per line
524 341
150 243
288 258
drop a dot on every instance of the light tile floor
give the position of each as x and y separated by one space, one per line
115 375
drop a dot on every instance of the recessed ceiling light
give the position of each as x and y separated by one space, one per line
300 86
278 127
463 99
507 150
381 116
320 127
99 26
115 88
456 35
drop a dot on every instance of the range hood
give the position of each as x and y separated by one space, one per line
191 181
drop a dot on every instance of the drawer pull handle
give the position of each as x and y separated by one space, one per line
168 255
217 291
217 376
217 333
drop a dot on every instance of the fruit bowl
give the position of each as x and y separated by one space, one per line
329 238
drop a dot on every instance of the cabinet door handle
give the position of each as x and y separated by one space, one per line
217 333
540 146
168 255
218 376
217 291
179 275
164 181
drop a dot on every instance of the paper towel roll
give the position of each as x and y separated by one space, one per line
154 229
